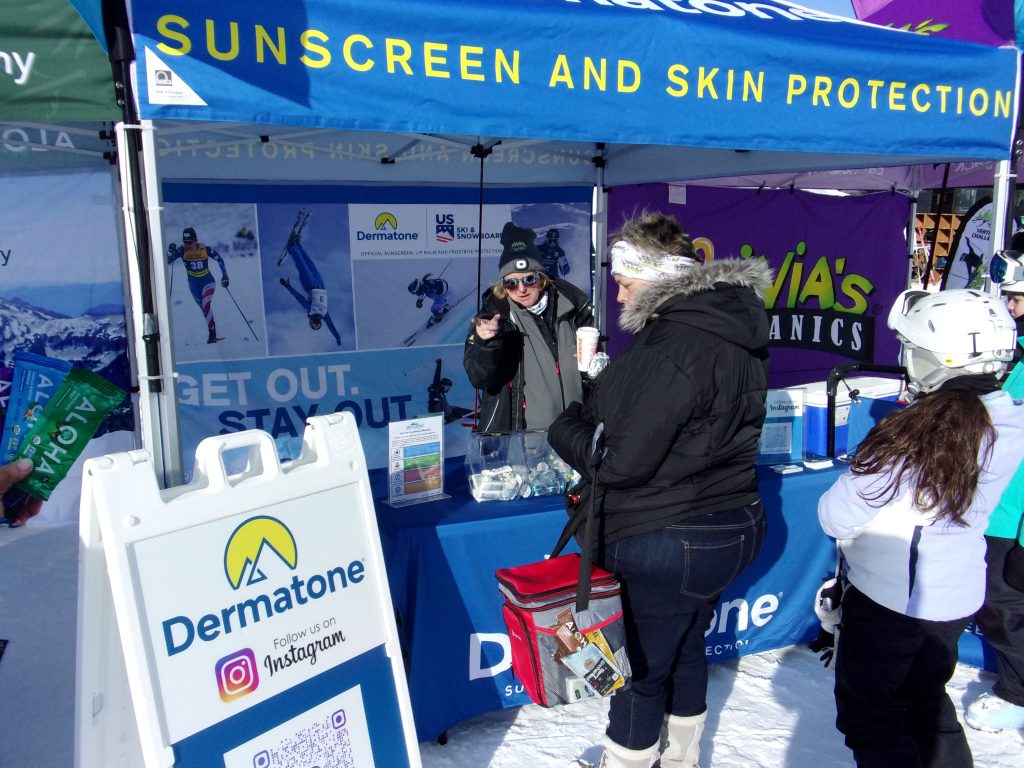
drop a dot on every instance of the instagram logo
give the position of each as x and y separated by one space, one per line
236 674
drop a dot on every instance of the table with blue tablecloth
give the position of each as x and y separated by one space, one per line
441 557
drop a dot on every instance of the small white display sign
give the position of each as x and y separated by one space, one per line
782 437
415 460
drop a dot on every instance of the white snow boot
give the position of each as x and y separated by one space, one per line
617 756
680 740
990 713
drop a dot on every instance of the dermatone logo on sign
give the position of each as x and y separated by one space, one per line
257 543
385 227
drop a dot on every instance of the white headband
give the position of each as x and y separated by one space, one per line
629 261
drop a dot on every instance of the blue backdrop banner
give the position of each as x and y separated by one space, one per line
299 300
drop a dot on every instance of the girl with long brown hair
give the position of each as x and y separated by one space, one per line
910 517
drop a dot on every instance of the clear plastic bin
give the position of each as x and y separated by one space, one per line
501 466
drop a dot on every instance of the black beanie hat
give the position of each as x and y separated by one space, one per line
518 254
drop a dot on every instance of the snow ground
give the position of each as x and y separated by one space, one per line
772 710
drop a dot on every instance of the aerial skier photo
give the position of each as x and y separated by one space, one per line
313 297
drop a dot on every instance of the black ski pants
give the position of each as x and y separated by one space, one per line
1002 622
891 700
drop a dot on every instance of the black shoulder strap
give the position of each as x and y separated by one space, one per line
585 514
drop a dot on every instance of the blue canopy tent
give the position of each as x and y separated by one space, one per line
593 92
586 92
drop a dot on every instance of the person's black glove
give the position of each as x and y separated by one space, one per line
824 644
224 281
828 609
172 250
573 411
419 303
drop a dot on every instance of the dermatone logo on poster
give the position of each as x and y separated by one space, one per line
385 227
254 545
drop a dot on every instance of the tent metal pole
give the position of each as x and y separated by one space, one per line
599 238
136 155
167 396
1002 189
157 403
912 243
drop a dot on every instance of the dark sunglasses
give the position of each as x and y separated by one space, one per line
511 283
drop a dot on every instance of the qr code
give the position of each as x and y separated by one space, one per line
324 743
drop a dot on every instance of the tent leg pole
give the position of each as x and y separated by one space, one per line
157 396
599 239
1002 192
170 435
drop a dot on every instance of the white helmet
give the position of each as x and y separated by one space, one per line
951 333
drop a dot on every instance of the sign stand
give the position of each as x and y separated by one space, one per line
254 624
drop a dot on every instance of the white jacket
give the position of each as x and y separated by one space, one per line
907 561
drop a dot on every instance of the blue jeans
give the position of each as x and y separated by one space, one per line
672 579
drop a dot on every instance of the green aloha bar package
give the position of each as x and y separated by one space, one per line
65 427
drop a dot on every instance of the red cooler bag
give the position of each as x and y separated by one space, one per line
536 597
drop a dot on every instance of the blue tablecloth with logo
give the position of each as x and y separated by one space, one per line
441 557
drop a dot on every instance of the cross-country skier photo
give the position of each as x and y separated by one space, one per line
313 297
196 258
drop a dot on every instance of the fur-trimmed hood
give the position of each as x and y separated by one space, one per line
725 296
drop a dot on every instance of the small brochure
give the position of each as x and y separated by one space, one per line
587 655
782 437
416 460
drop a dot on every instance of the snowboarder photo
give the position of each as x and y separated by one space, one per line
437 397
201 284
435 289
552 256
313 297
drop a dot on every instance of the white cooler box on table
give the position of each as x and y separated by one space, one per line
876 397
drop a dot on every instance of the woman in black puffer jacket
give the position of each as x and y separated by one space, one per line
682 410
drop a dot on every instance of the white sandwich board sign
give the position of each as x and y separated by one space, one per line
255 626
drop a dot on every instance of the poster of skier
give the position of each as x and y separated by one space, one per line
307 279
430 253
216 291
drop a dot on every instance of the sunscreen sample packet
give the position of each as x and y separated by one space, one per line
64 428
36 379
